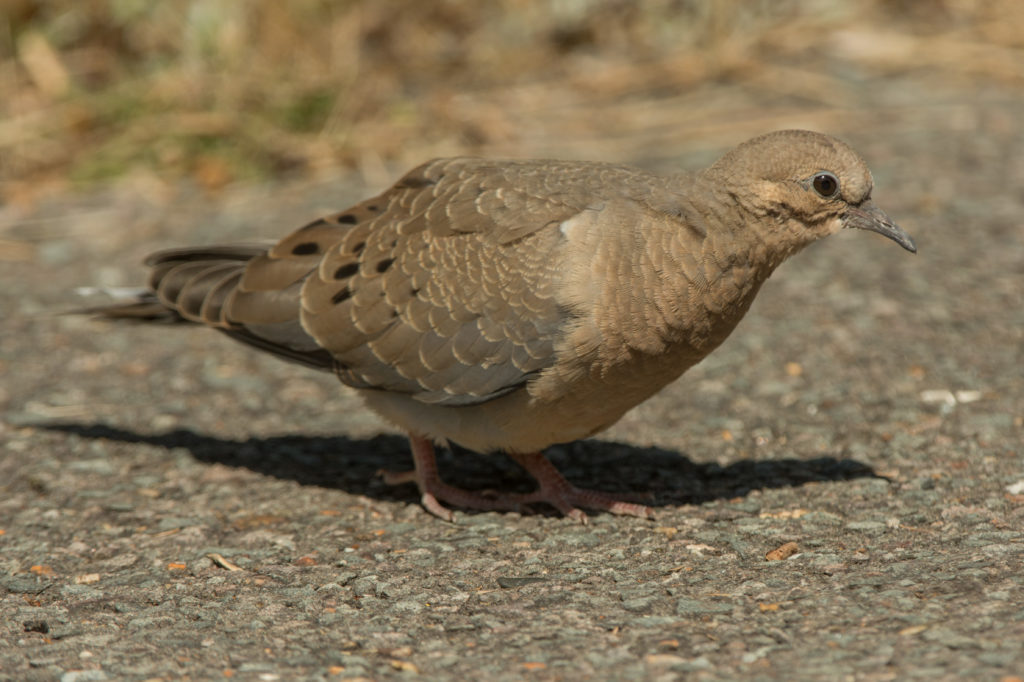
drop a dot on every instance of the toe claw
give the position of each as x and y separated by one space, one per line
431 504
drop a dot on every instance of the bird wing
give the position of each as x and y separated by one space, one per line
443 287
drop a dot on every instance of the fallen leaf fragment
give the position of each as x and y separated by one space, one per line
404 666
913 630
784 552
222 562
783 514
699 548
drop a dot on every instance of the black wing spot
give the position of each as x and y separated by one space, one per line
358 246
383 265
348 219
373 207
342 295
346 271
305 249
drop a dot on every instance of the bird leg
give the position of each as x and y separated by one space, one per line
553 489
433 490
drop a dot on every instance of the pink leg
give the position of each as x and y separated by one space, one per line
433 490
553 489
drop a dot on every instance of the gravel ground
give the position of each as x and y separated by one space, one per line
175 506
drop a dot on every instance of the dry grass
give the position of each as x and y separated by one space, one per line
223 90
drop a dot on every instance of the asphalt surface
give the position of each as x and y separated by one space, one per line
175 506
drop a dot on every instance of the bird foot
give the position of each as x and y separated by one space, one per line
553 489
434 493
571 502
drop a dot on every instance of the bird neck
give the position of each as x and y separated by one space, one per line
711 262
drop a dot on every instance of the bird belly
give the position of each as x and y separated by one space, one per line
523 422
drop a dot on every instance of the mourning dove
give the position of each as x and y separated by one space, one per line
511 305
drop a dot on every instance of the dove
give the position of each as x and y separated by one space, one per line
509 305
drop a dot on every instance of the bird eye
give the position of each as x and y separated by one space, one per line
826 184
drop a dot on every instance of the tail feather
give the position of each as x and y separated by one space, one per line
204 285
214 306
144 307
197 285
229 252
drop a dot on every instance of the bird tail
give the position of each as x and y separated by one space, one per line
206 285
185 285
133 304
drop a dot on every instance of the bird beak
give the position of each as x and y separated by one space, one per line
867 216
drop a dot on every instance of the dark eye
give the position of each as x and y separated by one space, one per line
826 184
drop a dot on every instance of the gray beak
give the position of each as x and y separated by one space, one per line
867 216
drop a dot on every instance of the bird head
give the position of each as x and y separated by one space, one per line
812 184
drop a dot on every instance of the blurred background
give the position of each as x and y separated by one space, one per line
215 92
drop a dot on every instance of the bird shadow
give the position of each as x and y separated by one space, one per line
667 477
